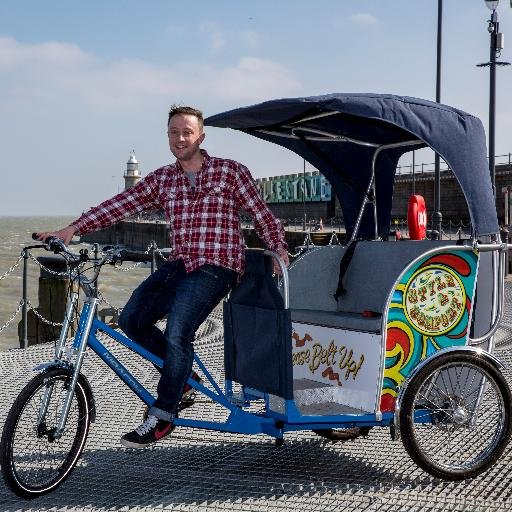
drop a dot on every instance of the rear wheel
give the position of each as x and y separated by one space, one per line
455 416
34 459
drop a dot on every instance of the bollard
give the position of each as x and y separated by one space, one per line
153 256
24 310
52 296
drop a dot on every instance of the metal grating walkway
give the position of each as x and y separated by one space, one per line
201 470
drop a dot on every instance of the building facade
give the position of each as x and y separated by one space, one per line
309 196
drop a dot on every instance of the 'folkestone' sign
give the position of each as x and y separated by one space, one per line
281 189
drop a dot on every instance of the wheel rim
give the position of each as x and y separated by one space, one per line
38 460
459 417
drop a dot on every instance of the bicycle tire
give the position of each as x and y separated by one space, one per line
455 416
33 463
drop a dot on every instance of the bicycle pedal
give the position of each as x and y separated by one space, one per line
187 402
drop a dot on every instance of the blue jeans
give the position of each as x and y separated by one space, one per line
186 299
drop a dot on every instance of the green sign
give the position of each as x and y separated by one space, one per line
295 190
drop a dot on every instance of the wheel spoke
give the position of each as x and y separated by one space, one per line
455 416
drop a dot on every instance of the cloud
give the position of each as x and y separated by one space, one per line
364 19
15 54
59 71
251 38
217 38
254 79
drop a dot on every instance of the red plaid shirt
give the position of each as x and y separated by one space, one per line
205 223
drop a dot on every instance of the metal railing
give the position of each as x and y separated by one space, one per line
429 167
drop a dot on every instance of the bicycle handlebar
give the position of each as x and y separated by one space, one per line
54 244
112 255
135 256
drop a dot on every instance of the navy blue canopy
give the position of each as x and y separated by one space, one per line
328 132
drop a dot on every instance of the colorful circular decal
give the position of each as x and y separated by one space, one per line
434 300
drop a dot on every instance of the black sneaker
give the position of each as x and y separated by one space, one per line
151 431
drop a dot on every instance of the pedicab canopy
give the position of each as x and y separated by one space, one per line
340 134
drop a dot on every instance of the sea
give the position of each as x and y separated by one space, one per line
115 285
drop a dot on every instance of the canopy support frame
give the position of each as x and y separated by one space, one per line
371 187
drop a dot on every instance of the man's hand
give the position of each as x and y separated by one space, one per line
65 234
283 253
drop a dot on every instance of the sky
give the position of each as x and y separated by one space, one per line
84 83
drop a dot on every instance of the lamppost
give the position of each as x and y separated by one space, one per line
437 216
304 194
413 172
496 45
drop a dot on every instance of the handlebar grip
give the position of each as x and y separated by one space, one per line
52 241
135 256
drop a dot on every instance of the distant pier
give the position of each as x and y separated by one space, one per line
138 235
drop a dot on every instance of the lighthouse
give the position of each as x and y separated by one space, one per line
132 175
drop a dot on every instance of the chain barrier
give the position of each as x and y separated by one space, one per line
11 270
308 241
103 299
297 254
13 316
42 318
152 245
127 269
159 252
304 247
334 237
52 272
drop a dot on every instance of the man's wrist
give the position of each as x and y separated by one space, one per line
75 226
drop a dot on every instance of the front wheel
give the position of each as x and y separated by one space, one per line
455 416
34 458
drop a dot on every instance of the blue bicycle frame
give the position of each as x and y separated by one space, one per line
238 420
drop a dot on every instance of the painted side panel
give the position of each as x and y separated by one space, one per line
430 310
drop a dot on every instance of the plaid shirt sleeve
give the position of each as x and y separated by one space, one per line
267 226
142 196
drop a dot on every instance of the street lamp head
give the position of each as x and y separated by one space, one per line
492 4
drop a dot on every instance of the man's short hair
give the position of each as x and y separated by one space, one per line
178 109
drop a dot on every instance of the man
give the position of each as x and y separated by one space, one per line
201 197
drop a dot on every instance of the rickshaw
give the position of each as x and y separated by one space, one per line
372 333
